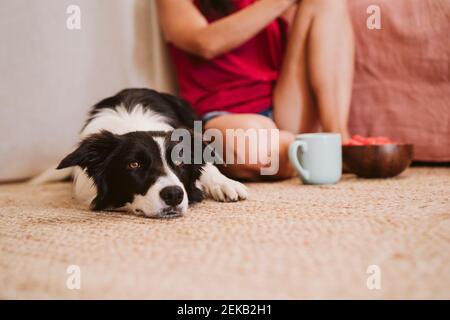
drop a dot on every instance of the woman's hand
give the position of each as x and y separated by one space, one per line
184 26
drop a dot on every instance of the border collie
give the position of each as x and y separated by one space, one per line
123 161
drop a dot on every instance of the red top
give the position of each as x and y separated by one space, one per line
240 81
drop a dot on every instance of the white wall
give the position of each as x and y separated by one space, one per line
50 76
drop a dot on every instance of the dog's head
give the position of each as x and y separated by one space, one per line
136 171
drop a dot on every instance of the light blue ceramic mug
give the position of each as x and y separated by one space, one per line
317 157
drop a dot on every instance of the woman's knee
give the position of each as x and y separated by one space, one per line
266 164
257 121
253 155
240 121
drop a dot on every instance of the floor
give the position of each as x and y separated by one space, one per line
358 239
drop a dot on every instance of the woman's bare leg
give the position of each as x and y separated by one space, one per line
294 108
248 170
318 67
331 63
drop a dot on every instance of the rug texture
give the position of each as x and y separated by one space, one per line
288 241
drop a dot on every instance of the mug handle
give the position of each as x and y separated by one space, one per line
294 159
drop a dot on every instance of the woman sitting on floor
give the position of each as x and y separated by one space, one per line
266 64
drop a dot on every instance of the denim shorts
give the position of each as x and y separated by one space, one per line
213 114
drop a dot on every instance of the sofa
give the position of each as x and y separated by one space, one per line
402 79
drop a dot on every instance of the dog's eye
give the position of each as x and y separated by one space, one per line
133 165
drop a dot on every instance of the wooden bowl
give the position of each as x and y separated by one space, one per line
377 161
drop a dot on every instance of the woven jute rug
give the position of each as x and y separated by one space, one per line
287 241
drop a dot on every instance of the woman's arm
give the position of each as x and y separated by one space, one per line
185 27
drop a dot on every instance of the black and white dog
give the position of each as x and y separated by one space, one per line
124 158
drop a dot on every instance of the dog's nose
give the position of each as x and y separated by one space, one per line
172 195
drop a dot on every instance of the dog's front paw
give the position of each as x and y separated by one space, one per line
227 190
221 188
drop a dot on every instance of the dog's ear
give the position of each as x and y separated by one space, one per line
91 152
101 201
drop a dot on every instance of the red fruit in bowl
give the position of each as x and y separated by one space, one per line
358 140
352 142
371 141
383 140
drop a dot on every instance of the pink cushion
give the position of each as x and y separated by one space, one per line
402 79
